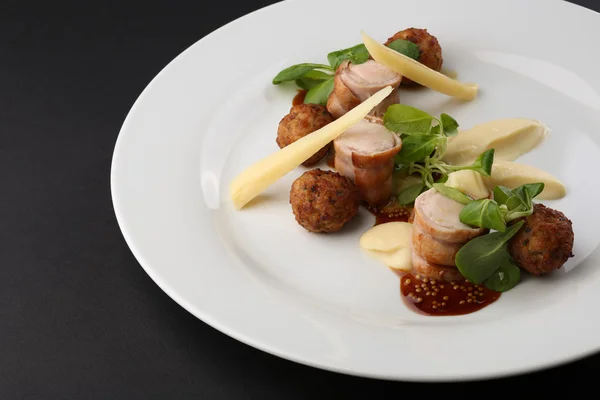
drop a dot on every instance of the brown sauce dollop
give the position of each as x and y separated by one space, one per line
299 98
438 298
391 212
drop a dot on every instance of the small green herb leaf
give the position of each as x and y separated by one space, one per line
311 79
502 194
319 93
416 147
518 213
483 164
400 166
401 118
408 195
406 47
505 277
483 213
528 191
505 197
449 124
519 201
357 55
452 193
296 72
481 257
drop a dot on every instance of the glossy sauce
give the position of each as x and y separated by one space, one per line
391 212
438 298
299 98
330 159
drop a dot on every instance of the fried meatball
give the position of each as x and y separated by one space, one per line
544 242
431 52
323 201
302 120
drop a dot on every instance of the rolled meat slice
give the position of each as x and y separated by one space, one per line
434 271
438 216
354 83
365 154
434 250
438 234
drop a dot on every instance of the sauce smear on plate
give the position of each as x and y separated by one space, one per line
436 298
331 159
392 212
299 98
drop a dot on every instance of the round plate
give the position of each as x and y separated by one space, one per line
257 276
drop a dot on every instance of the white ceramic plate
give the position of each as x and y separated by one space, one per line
257 276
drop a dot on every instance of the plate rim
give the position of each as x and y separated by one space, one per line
240 336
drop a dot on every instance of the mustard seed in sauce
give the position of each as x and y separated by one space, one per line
452 300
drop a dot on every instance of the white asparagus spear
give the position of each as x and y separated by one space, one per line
418 72
256 178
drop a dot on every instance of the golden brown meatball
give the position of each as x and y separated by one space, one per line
544 242
302 120
323 201
431 52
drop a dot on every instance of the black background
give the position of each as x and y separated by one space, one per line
79 318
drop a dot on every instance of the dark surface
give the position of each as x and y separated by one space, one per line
79 318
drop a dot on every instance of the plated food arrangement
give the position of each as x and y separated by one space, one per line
456 216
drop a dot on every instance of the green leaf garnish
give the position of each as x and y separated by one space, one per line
319 93
528 191
484 213
505 277
518 202
449 124
452 193
416 148
502 195
401 118
481 257
312 78
406 47
408 195
483 164
356 55
296 72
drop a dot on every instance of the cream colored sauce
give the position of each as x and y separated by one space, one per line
512 175
400 259
509 174
390 243
469 182
510 137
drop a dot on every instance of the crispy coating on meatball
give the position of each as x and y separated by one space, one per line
302 120
544 242
323 201
431 52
